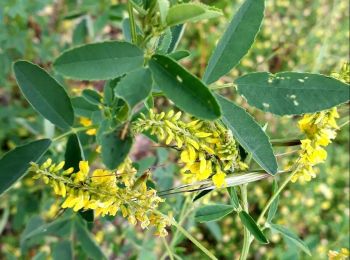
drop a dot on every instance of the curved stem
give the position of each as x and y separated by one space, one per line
192 239
168 248
274 196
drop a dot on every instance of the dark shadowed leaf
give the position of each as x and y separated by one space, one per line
114 149
15 163
74 153
253 228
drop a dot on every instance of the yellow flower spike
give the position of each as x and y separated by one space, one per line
63 189
59 167
170 114
202 163
55 187
193 143
124 211
170 124
207 149
68 171
191 153
185 157
84 167
179 142
177 116
46 179
161 134
161 116
192 123
46 164
202 134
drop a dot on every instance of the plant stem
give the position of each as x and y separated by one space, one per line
72 131
192 239
274 196
168 248
246 233
132 22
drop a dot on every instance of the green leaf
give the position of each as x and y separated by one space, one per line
236 41
176 32
249 134
202 194
164 42
273 208
163 6
179 55
253 228
62 250
83 108
60 227
74 153
92 96
44 93
234 197
184 89
289 93
114 149
15 163
98 61
80 32
88 243
291 236
134 87
190 12
212 212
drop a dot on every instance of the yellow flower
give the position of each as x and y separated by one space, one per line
342 255
320 129
105 192
83 171
84 121
219 179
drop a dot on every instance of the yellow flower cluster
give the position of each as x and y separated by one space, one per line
320 129
106 192
207 148
344 254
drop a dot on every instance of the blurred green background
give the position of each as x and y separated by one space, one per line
310 35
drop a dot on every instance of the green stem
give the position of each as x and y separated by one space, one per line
72 131
168 248
274 196
132 23
192 239
246 233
